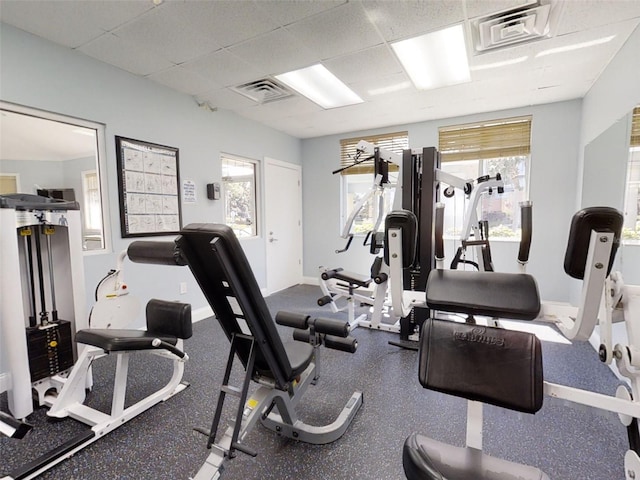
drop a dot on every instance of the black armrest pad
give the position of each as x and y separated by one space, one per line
492 294
487 364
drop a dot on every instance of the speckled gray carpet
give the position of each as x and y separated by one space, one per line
567 442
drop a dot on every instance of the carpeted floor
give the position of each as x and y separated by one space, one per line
566 441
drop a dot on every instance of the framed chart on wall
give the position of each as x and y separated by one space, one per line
148 187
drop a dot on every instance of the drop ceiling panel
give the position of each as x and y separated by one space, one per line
285 12
51 19
398 20
224 98
341 30
481 8
183 80
226 21
114 50
587 14
275 52
381 86
157 31
372 62
225 69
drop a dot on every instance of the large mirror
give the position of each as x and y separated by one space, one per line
612 177
52 155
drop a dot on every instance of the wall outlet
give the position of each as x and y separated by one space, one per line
183 288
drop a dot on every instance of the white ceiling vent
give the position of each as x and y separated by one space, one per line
523 24
264 90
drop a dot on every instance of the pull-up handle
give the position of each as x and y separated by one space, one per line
526 223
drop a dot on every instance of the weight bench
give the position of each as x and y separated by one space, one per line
503 367
282 371
168 324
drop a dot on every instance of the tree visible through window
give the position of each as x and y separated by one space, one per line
239 187
473 150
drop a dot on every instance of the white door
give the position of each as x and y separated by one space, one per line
283 224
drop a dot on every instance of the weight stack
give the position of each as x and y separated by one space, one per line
50 349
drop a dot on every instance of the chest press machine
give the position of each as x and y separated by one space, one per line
504 368
282 371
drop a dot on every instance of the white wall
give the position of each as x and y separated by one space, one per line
554 161
40 74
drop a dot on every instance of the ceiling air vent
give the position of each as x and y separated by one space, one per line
264 90
515 26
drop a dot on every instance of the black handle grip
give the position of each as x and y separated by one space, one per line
157 343
346 247
290 319
156 253
439 231
526 213
330 326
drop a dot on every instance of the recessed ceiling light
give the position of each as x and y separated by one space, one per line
436 59
320 86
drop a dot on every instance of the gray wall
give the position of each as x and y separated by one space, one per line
554 161
39 74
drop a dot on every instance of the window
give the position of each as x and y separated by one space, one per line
239 188
357 181
92 212
631 228
473 150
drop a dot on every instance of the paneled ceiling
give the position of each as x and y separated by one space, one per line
205 48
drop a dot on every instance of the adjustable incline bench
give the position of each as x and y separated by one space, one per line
283 371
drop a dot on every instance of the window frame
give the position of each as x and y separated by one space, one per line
256 224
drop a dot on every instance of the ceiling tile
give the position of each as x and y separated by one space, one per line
398 20
275 52
587 14
339 31
376 87
372 62
184 80
225 69
156 32
227 22
111 49
481 8
225 98
285 12
51 20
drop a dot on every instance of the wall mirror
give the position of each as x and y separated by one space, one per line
612 177
62 157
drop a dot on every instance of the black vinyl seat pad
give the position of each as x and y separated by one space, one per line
353 278
115 340
491 294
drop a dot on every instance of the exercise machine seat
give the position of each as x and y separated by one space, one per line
459 463
491 294
116 340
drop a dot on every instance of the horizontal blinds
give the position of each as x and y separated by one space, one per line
491 139
635 128
394 142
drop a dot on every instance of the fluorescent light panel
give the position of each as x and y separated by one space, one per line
436 59
320 86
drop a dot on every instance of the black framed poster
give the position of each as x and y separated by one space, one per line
148 187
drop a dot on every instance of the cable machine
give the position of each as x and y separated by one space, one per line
42 287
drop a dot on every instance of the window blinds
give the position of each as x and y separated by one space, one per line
506 137
635 128
394 142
